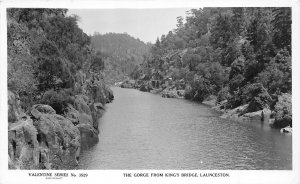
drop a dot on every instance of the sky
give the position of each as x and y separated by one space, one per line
145 24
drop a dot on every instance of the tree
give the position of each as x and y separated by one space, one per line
282 28
277 77
191 60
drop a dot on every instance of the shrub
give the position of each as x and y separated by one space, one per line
236 83
237 67
254 94
223 94
199 89
58 100
257 96
234 101
277 77
283 111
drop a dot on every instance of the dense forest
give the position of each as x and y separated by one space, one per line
240 55
47 53
121 54
58 76
56 89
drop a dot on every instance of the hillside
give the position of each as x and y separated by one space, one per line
121 52
56 91
241 56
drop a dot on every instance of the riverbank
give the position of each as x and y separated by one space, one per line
145 131
279 118
43 138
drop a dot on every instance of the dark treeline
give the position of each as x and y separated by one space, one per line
240 55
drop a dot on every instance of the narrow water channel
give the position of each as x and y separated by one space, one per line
145 131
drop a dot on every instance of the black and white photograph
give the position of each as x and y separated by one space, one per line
180 88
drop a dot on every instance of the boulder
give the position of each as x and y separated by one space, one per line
98 106
240 115
254 115
109 94
96 92
14 109
86 125
172 93
97 113
59 141
210 100
85 119
234 113
72 114
220 106
23 147
266 113
287 129
39 109
89 135
81 104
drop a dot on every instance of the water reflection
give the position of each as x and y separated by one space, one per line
144 131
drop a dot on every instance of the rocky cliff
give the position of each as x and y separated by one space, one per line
43 139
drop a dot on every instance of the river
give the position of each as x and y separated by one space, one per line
141 130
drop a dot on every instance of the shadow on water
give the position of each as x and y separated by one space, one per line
144 131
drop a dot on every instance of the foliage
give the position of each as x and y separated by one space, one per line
120 53
236 83
97 63
223 94
277 75
58 100
282 27
257 96
239 54
253 94
283 111
191 60
200 89
46 50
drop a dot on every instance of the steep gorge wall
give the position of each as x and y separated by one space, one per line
43 139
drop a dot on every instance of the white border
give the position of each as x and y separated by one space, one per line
116 176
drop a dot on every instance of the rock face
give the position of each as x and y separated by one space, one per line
44 139
234 113
23 147
258 115
47 141
210 101
58 138
86 120
14 110
172 93
109 94
239 114
287 129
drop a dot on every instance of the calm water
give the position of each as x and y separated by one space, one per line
145 131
